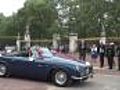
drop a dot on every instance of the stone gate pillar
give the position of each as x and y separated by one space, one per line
102 40
18 43
103 36
73 38
56 38
27 37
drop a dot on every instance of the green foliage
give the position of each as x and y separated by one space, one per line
37 13
87 16
43 19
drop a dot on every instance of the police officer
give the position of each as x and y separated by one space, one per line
110 55
118 54
102 54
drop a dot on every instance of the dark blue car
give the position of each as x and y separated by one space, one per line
59 70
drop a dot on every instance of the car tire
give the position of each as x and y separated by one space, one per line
3 70
61 78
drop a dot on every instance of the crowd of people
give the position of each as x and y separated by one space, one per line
108 50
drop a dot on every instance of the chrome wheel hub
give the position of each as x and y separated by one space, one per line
60 77
2 70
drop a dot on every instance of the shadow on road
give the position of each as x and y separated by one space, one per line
88 83
83 84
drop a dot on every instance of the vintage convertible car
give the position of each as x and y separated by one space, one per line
60 71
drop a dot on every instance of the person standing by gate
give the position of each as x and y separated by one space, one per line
82 50
102 54
94 53
110 55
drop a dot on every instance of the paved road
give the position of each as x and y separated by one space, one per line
99 82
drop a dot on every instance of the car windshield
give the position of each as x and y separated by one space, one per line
46 52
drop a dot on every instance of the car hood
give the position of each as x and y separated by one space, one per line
60 60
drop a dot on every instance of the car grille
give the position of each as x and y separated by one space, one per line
87 70
84 71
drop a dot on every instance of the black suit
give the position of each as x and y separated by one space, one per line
82 51
110 56
102 54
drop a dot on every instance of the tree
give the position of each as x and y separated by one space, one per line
45 17
38 14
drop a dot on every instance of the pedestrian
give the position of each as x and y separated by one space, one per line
94 53
102 54
118 54
82 50
110 54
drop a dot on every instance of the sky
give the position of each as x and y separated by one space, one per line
8 7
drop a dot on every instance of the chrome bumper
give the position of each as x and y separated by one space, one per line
82 77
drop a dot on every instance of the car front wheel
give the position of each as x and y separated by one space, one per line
61 78
3 70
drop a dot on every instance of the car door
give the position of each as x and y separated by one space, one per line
38 68
19 66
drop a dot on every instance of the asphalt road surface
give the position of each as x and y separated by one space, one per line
99 82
